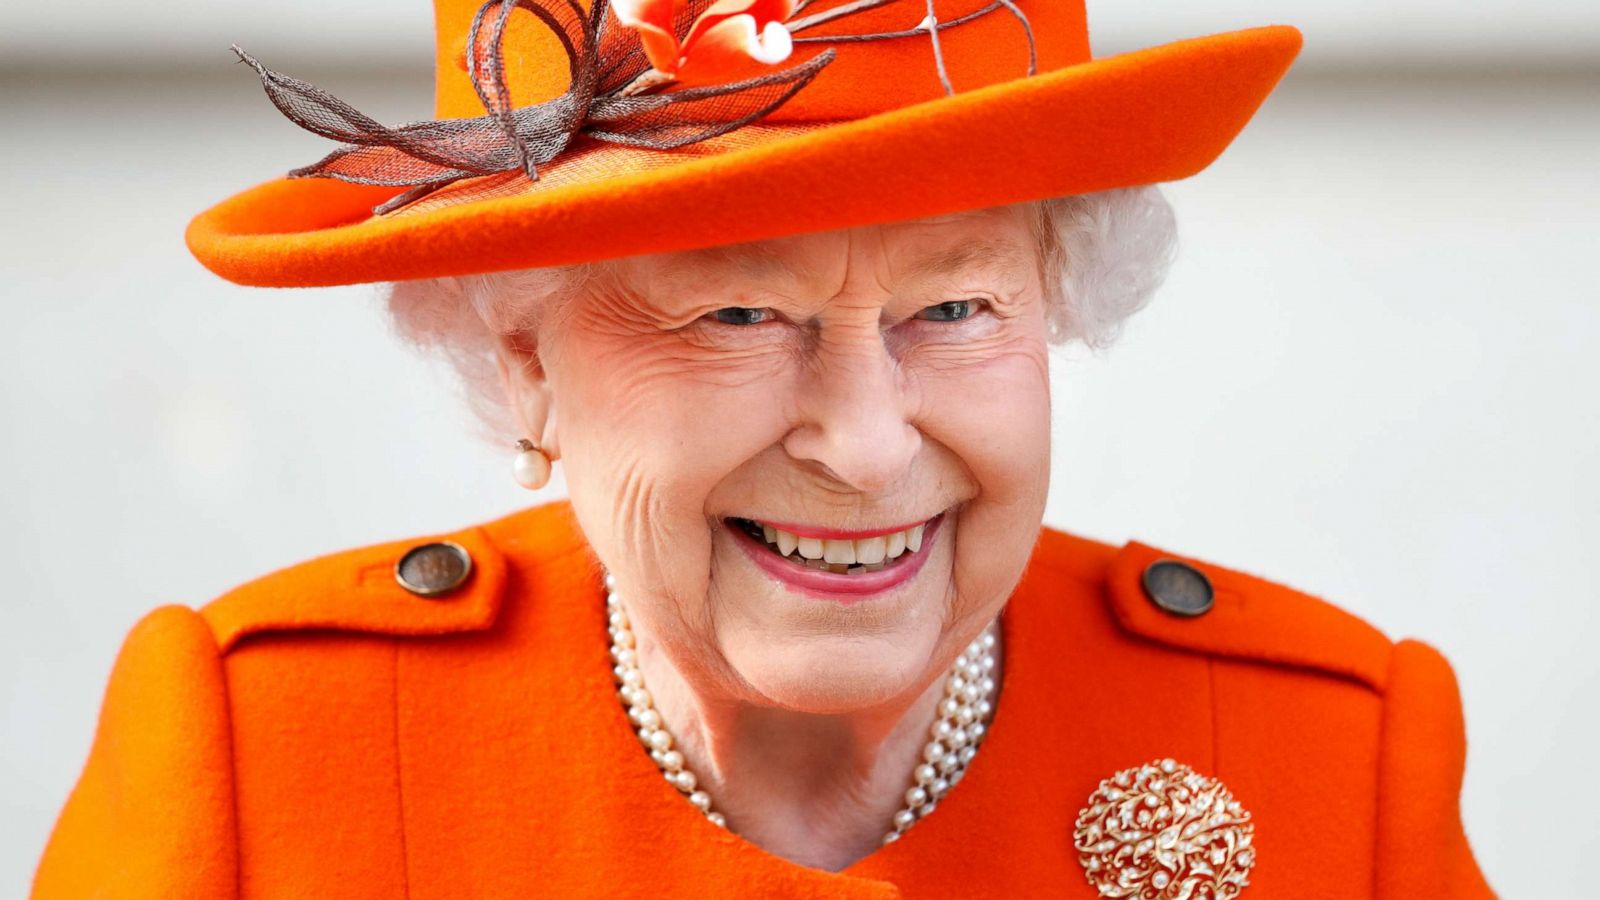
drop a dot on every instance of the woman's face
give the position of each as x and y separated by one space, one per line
840 383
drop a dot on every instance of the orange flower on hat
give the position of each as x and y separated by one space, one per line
720 44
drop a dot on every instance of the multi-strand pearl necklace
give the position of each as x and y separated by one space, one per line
952 741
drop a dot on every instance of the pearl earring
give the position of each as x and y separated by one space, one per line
532 466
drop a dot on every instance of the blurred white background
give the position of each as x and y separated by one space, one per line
1371 376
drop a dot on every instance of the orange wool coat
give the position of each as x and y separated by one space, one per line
324 733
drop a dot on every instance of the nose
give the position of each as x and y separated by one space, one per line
853 414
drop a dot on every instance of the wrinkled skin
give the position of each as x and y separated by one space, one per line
843 384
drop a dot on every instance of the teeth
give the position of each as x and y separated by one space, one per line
839 551
871 550
865 555
897 544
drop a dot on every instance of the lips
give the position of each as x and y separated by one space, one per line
837 568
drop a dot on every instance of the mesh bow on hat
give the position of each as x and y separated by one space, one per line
569 131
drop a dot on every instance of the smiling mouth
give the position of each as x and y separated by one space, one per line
842 556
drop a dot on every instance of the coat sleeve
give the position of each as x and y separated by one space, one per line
152 814
1422 848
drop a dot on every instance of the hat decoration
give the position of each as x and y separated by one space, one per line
569 131
656 74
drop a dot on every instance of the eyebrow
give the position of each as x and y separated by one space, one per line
978 254
762 263
753 260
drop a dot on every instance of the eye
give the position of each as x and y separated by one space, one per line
948 311
742 315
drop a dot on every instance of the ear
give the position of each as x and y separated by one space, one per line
528 394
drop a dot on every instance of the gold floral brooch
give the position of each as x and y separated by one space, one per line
1162 831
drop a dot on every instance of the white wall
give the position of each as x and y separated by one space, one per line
1371 377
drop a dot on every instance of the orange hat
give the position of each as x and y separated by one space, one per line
573 131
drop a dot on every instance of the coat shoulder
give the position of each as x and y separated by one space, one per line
427 585
1387 714
153 801
1186 603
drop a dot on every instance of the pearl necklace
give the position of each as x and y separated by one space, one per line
953 740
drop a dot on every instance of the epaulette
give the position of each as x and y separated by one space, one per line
1187 603
363 590
423 586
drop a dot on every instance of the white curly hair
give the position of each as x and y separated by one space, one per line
1102 256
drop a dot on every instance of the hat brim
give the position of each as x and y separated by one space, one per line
1136 118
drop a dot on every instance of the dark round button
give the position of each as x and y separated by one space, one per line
1178 587
431 570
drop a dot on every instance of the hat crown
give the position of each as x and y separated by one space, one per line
865 78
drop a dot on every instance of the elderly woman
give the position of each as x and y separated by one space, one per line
780 299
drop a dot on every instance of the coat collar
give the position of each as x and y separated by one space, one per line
356 590
518 759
